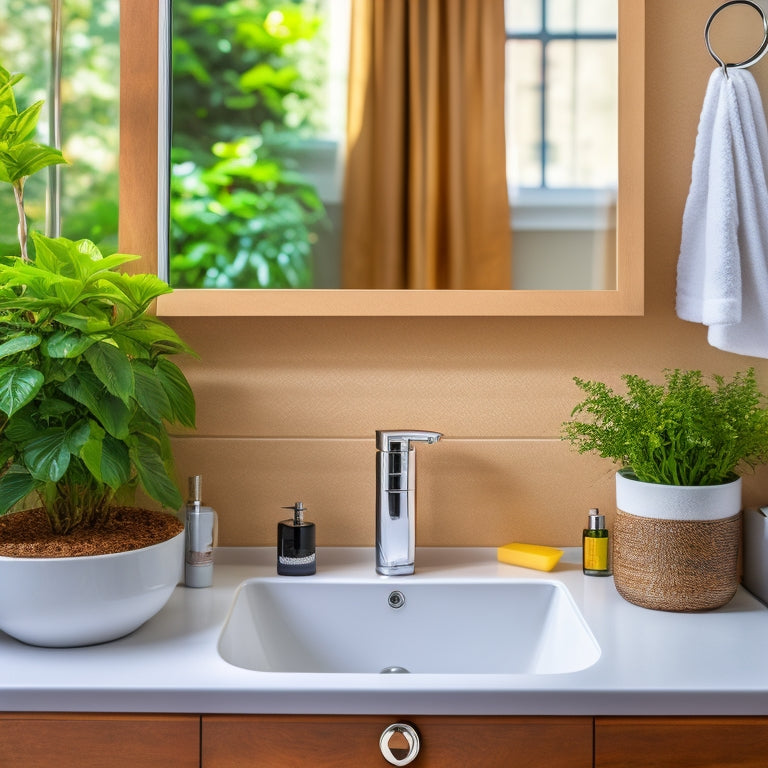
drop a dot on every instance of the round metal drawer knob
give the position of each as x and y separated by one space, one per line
399 744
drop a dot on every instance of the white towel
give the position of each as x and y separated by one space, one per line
722 272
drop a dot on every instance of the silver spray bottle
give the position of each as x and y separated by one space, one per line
200 526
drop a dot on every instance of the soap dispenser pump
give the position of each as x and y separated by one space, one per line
296 544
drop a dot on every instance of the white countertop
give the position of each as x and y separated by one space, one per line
651 662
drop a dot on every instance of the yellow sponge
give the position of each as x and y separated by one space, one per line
529 555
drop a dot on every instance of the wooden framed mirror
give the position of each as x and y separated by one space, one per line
144 67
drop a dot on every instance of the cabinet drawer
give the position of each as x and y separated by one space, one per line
36 740
337 741
684 742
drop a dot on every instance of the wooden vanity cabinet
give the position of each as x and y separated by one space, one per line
264 741
41 740
61 740
683 742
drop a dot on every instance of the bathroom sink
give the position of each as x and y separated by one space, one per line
418 626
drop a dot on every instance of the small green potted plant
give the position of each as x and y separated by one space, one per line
86 394
680 446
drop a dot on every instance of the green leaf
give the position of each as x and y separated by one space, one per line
109 410
6 92
263 75
80 260
112 368
59 369
83 322
19 344
61 256
52 406
77 436
152 473
7 452
28 301
22 428
15 485
115 463
39 282
67 344
114 415
180 396
106 458
18 386
139 290
150 393
155 336
91 450
156 434
105 264
25 159
23 125
47 456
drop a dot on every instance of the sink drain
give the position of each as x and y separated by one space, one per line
396 599
395 671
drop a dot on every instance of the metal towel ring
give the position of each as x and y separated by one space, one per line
755 57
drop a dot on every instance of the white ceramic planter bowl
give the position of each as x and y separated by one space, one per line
72 601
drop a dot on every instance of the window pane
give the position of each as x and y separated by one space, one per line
89 112
20 25
90 121
582 16
582 114
523 108
523 15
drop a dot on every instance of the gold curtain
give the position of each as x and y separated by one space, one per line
425 202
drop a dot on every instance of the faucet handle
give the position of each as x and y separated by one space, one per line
400 439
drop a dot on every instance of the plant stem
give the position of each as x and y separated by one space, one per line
18 193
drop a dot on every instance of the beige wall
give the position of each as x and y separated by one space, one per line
288 407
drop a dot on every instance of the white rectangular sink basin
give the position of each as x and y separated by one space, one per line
417 626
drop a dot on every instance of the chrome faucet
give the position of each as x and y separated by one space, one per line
396 499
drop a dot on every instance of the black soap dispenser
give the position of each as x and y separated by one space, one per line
296 544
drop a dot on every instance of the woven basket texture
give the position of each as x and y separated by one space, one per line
674 565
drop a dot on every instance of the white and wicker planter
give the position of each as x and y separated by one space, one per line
675 548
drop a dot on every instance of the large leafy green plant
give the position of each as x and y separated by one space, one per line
86 386
682 432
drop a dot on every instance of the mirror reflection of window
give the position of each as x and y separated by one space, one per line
259 108
562 141
89 112
259 124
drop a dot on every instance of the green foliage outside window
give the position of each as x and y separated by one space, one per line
89 114
244 95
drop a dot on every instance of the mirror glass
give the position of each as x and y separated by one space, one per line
259 144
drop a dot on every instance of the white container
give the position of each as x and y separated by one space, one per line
755 577
71 601
678 502
676 547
